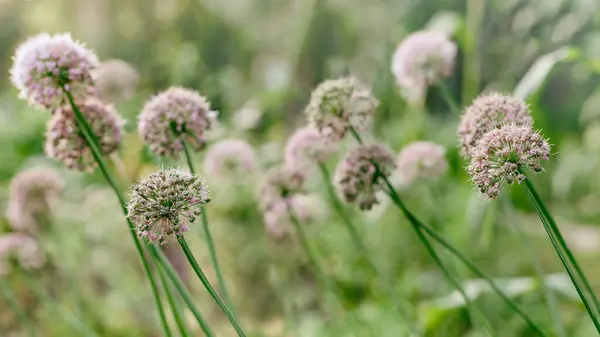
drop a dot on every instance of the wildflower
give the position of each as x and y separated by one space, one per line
307 146
116 80
305 207
425 160
502 154
65 142
46 65
229 155
279 184
22 249
489 112
165 202
175 116
338 105
356 177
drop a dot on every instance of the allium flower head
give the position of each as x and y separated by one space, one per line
19 248
357 178
307 146
279 184
425 160
174 116
165 202
502 153
423 58
305 207
487 112
45 64
116 80
337 105
229 156
65 142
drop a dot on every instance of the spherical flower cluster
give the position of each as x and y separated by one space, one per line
229 156
305 207
164 202
307 146
501 155
357 178
45 65
116 80
489 112
421 160
175 116
22 249
423 58
280 183
337 105
65 142
32 194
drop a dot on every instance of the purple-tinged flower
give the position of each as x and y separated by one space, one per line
175 116
229 156
279 184
116 81
22 249
65 142
45 65
165 202
487 112
357 178
307 146
337 105
501 154
305 207
421 160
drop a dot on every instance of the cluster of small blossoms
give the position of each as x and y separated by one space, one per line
45 65
305 207
421 160
357 178
175 116
229 156
488 112
307 146
501 154
423 58
280 183
165 202
65 142
338 105
32 193
116 80
20 248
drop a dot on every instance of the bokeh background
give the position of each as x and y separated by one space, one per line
257 62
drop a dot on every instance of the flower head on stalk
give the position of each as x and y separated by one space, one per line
357 178
229 156
22 249
175 116
305 207
165 202
116 80
501 155
45 65
421 160
337 105
487 112
279 184
307 146
65 142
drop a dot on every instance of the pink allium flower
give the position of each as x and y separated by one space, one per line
305 207
337 105
65 142
423 58
487 112
229 156
356 178
164 202
116 80
174 116
421 160
502 153
22 248
279 184
307 146
46 64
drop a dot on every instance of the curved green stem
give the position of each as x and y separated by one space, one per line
448 98
183 331
13 303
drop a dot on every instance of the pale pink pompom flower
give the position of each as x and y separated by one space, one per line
116 80
421 160
305 207
306 147
229 156
22 248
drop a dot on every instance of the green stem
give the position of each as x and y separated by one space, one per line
471 45
13 303
211 290
174 307
448 98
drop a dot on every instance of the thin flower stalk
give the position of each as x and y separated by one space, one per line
177 315
14 305
448 98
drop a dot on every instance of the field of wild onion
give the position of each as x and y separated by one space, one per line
299 168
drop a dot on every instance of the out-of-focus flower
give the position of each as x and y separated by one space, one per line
307 146
32 194
45 65
279 184
248 117
501 154
175 116
229 156
356 177
421 160
305 207
65 142
337 105
20 248
164 202
116 80
487 112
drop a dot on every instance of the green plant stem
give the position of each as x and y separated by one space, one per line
448 98
471 46
92 142
13 303
174 307
211 290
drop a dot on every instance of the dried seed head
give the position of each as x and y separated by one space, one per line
305 207
165 202
307 146
357 178
174 116
46 64
229 156
337 105
279 184
489 112
422 160
116 81
502 153
22 249
65 142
